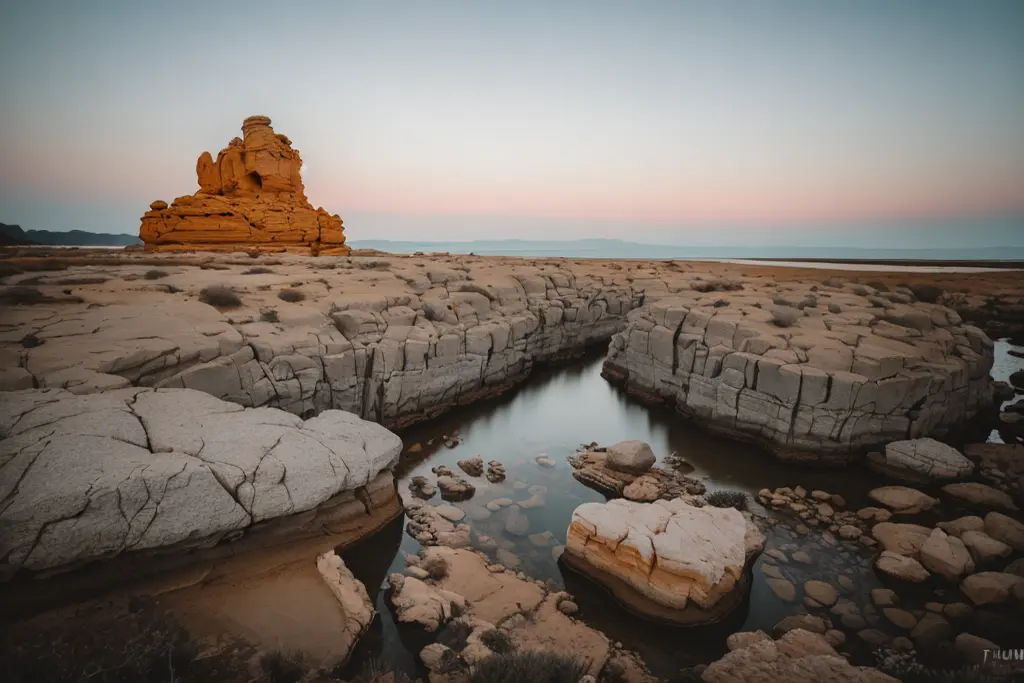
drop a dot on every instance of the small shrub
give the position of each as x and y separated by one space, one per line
258 270
375 671
213 266
9 269
455 634
31 341
82 281
171 289
23 296
859 290
929 294
283 667
269 316
535 667
220 297
721 303
155 274
705 286
292 296
437 567
835 308
497 641
879 286
727 499
785 316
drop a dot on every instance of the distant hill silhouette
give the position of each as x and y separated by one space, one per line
12 235
612 248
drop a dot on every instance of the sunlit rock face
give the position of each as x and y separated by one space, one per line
668 560
822 373
251 197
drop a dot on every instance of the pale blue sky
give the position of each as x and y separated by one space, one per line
784 120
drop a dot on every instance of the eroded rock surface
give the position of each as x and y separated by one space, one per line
799 656
251 197
351 595
921 460
88 477
813 378
668 559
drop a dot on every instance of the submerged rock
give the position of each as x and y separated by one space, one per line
669 559
903 500
921 460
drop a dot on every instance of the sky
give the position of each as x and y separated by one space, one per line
675 121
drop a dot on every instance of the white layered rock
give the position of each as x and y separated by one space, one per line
671 553
921 460
87 477
828 383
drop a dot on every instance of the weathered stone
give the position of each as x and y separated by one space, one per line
1005 529
352 597
980 494
799 656
921 460
901 567
946 556
250 197
138 469
903 500
985 588
680 562
631 456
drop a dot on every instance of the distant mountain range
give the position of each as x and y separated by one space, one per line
611 248
15 235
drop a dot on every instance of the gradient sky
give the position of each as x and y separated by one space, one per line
660 121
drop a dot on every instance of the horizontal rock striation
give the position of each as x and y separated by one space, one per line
251 197
392 342
90 477
668 560
811 374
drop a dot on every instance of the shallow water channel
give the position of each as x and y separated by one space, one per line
550 416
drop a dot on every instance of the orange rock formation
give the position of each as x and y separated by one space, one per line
251 197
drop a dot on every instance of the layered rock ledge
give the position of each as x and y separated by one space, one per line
392 341
820 371
668 560
128 470
251 197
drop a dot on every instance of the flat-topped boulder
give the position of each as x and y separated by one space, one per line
832 373
90 477
921 461
250 197
668 560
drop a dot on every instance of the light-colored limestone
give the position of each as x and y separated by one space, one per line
670 552
87 477
351 595
921 460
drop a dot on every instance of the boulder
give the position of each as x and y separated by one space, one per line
417 602
667 559
974 649
138 469
905 539
979 494
986 588
946 556
902 499
958 526
984 548
251 197
821 592
901 567
1005 529
798 656
921 460
631 456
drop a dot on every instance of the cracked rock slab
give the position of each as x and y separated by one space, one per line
89 477
669 559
